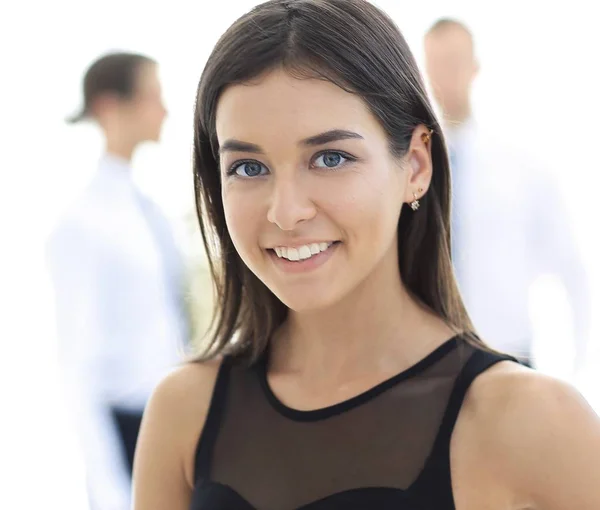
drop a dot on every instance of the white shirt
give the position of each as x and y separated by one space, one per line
120 316
510 227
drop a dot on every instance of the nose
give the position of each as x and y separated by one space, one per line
290 203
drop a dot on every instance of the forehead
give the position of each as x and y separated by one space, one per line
147 79
449 38
279 108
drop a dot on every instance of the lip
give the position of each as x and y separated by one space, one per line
298 243
306 265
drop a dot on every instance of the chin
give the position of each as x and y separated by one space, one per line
307 300
153 136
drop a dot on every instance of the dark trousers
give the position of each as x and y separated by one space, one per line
128 425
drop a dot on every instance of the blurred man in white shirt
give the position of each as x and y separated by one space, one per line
509 225
118 279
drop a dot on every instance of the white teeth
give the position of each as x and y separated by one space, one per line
301 252
304 252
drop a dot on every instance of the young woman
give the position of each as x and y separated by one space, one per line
344 371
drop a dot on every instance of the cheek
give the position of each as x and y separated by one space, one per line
243 218
157 113
366 203
150 113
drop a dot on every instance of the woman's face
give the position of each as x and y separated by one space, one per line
311 193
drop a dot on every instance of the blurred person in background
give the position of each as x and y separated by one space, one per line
119 280
509 225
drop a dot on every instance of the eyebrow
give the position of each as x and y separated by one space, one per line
333 135
233 145
330 136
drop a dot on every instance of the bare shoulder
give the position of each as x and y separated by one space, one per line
542 434
176 413
187 386
524 401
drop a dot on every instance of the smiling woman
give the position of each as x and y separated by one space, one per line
319 171
343 370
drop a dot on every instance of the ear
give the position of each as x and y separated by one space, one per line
105 102
418 164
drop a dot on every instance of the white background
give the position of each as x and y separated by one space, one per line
538 82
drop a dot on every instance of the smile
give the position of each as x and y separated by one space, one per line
303 252
300 259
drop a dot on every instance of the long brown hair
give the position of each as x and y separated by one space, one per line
356 46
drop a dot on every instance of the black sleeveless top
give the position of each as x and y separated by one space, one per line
388 448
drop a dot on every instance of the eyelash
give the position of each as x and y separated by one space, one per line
348 157
233 168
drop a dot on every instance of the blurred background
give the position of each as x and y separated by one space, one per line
537 86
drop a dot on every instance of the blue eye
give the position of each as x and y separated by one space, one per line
248 169
331 159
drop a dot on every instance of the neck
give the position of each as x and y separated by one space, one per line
379 326
120 147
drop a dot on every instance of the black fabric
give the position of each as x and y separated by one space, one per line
128 425
210 495
436 473
213 422
385 448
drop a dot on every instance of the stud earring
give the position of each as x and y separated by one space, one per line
426 137
415 204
